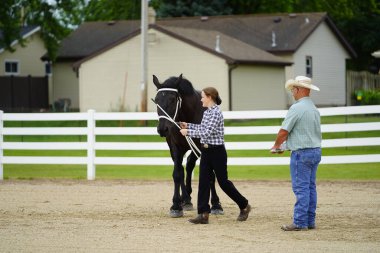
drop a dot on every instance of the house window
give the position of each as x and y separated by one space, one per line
11 67
48 68
309 66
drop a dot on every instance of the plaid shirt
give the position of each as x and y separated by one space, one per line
211 129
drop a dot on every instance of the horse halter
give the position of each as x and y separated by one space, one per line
177 107
191 143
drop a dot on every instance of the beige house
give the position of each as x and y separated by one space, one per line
98 65
310 41
116 71
24 60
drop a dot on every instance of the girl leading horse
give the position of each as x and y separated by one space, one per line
176 98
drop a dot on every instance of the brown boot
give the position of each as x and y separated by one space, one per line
244 213
293 227
200 219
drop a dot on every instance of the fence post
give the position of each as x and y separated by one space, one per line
1 145
90 145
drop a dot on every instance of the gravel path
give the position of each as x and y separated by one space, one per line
132 216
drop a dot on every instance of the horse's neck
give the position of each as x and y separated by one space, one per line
191 110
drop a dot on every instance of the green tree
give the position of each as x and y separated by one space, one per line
102 10
244 6
178 8
10 17
360 26
56 19
359 21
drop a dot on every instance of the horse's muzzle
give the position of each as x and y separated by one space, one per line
162 131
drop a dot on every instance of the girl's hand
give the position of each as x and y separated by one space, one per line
183 124
183 132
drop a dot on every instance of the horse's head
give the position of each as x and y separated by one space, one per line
167 99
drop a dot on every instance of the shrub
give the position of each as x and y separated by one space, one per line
367 97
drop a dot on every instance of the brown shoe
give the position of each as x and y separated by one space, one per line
200 219
293 227
244 213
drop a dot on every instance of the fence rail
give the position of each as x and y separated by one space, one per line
91 145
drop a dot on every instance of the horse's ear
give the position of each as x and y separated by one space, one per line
156 82
179 80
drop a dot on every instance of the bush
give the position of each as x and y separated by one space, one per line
367 97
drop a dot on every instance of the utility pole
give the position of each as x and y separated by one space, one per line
144 55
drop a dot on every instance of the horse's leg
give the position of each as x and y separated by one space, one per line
190 164
216 207
176 209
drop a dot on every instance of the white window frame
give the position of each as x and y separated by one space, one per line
309 66
11 62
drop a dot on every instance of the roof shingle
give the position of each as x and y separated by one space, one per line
230 48
244 39
256 30
93 36
24 32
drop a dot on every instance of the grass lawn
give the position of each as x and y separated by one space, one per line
367 171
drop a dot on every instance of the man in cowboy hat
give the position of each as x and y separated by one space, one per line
301 129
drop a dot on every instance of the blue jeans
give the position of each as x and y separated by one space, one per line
303 170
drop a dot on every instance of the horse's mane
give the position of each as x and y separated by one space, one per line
185 87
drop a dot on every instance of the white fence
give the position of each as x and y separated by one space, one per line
92 130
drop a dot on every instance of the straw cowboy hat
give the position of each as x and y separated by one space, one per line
300 81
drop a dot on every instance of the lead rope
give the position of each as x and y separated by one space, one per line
190 141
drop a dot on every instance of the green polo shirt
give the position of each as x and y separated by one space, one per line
303 123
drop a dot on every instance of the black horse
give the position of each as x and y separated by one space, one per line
177 97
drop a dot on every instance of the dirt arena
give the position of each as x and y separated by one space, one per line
132 216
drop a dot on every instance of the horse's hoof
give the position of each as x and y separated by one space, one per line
188 207
176 213
217 211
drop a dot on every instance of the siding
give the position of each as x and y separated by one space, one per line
171 57
28 57
103 78
258 88
111 76
329 66
65 84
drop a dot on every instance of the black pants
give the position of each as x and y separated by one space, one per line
215 160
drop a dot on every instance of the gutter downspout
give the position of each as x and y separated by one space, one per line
230 68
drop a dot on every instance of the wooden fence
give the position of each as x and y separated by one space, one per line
91 131
24 93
